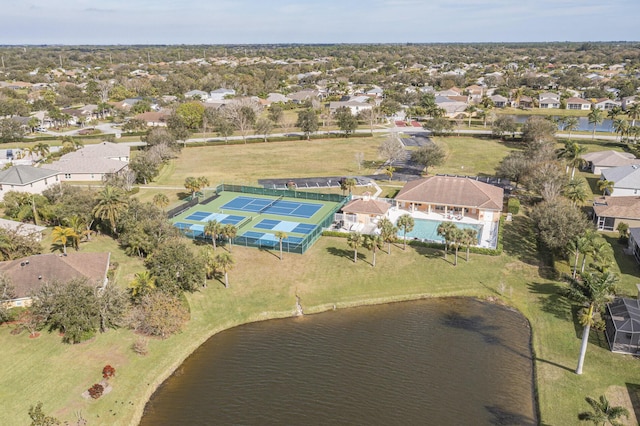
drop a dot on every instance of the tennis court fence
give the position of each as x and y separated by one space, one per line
334 198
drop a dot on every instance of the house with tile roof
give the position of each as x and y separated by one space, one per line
609 212
23 178
549 100
626 180
28 274
606 104
364 211
578 104
603 160
452 197
92 162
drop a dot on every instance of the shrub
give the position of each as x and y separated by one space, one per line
513 206
96 390
108 372
141 346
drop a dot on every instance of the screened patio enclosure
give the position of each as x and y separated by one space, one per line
623 326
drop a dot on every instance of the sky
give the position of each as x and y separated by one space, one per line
315 21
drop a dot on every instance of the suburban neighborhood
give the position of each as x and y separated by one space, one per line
154 196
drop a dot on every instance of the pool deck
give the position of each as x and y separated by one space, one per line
488 239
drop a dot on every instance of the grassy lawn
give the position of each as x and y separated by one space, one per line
245 164
542 111
263 287
472 156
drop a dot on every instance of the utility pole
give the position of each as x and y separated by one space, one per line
148 57
60 56
3 62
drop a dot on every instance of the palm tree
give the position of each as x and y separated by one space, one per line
470 110
143 282
373 243
212 229
572 153
633 111
281 235
613 113
350 184
388 232
192 185
576 191
389 171
209 257
63 235
111 204
582 245
79 226
570 124
606 186
470 238
42 149
457 236
621 126
595 117
445 230
355 240
160 200
229 231
603 412
405 223
592 290
224 263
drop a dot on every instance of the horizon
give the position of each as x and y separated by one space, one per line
251 22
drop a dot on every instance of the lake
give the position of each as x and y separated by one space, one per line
447 361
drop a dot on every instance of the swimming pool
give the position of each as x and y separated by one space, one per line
424 229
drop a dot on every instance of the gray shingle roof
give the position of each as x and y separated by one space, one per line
623 176
24 175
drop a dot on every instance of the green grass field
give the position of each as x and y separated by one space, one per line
262 287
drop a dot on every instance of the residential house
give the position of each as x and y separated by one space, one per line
524 102
609 212
452 105
277 97
23 178
92 162
622 325
354 106
154 118
24 229
304 95
452 197
626 180
449 92
221 94
197 94
634 243
359 213
499 101
28 274
375 92
628 101
606 104
578 104
603 160
549 100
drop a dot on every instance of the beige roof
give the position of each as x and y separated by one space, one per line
618 207
577 101
101 150
366 206
452 191
611 158
87 165
29 273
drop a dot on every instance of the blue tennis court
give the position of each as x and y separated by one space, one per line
198 216
269 206
219 217
190 228
285 226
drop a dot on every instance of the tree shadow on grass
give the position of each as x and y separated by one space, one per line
555 364
271 252
345 253
551 300
634 396
519 240
504 417
429 253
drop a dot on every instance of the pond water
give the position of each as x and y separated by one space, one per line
440 361
583 123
